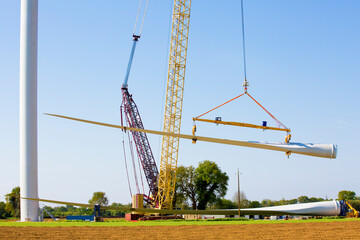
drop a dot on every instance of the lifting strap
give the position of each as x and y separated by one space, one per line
281 127
245 93
219 106
137 17
135 40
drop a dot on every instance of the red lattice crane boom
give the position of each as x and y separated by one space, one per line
141 141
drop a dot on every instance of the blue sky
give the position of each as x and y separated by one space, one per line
303 61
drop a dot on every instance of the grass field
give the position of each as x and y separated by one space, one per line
123 223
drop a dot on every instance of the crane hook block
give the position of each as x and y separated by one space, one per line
193 130
193 133
288 138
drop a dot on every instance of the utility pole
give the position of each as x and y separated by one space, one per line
239 204
28 110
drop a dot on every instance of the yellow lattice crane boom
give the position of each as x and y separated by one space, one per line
173 102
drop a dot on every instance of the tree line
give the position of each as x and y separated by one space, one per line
11 209
203 187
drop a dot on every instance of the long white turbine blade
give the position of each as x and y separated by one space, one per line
309 149
326 208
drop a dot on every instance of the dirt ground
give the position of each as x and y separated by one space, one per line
322 230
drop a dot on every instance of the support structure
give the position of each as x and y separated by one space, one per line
174 100
28 110
142 144
141 141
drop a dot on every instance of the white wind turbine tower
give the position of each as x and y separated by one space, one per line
28 110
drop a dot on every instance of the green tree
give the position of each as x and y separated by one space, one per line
185 187
85 211
3 212
244 202
355 204
303 199
13 202
224 204
267 203
346 195
99 198
116 213
70 208
210 184
281 202
60 211
50 210
254 204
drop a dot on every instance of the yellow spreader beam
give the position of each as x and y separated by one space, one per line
239 124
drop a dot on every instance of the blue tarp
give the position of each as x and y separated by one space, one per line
84 218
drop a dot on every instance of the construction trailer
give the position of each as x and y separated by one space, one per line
96 217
